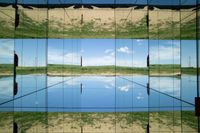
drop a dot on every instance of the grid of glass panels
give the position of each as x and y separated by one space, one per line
88 68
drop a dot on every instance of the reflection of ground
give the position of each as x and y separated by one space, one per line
100 122
58 70
99 23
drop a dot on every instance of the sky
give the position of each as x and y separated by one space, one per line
153 2
31 52
6 51
98 52
128 52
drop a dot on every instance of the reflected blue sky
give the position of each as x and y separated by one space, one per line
98 52
99 93
6 89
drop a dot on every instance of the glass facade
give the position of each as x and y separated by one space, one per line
110 66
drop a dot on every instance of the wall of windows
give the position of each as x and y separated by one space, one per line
109 66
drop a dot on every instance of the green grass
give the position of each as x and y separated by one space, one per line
26 120
107 70
156 69
31 70
52 69
6 69
189 70
170 69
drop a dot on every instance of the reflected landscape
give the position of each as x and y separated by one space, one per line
99 66
100 122
98 103
99 85
98 93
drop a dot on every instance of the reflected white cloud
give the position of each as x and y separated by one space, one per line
6 87
125 88
73 82
167 85
176 43
109 83
140 42
108 86
55 80
164 53
139 96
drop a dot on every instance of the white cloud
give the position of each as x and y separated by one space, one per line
6 49
99 61
57 57
129 63
126 63
139 63
107 59
108 51
124 50
164 53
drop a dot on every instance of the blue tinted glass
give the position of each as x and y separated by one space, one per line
65 1
32 1
131 2
172 2
99 1
7 1
188 2
142 2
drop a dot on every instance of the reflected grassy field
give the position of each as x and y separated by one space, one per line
93 70
99 122
97 26
6 69
52 69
